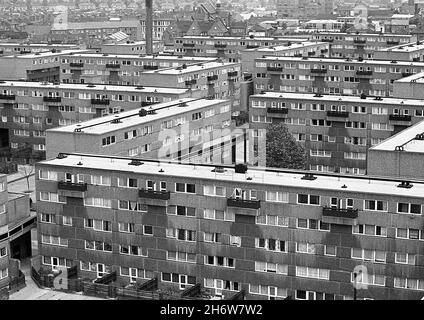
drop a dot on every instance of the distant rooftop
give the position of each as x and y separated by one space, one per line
131 118
141 57
406 139
415 78
259 176
335 98
409 47
92 87
292 46
45 54
193 67
129 44
292 39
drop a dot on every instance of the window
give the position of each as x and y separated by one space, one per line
276 196
308 199
98 225
210 237
126 227
97 202
375 205
330 250
185 187
271 244
108 140
127 182
312 224
369 230
48 218
214 191
405 258
316 273
52 197
67 221
409 208
148 230
304 247
100 180
220 261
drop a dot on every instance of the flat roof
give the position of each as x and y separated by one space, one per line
44 54
409 47
342 60
271 177
386 35
406 139
246 38
102 125
138 57
292 46
337 98
92 87
415 78
135 43
193 68
37 44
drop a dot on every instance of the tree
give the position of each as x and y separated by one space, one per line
27 171
282 150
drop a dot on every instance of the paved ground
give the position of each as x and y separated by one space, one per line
33 292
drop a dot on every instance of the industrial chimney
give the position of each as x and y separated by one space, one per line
149 27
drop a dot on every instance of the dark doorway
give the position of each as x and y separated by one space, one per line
4 138
21 247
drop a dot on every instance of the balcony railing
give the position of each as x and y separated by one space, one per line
100 101
151 194
52 99
318 70
327 40
7 96
188 45
241 203
212 78
399 117
150 67
274 69
113 65
147 103
220 45
338 114
71 186
364 73
76 64
277 110
339 212
232 74
190 82
392 42
252 46
359 41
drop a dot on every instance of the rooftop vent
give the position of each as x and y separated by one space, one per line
116 120
104 54
139 88
184 66
184 104
363 96
135 162
218 170
378 98
79 163
161 170
344 186
77 130
393 61
318 95
309 176
240 168
61 156
91 85
142 113
399 148
419 136
405 184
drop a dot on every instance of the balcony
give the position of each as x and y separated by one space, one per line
190 82
252 46
113 65
150 67
212 78
52 99
417 59
274 69
277 110
220 45
151 194
399 117
70 186
7 97
76 64
392 42
147 103
407 74
241 203
364 73
338 114
72 190
339 215
232 74
318 70
359 41
188 45
326 40
311 53
104 102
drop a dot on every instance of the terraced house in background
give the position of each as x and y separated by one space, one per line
331 76
360 45
117 69
336 131
272 233
29 108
